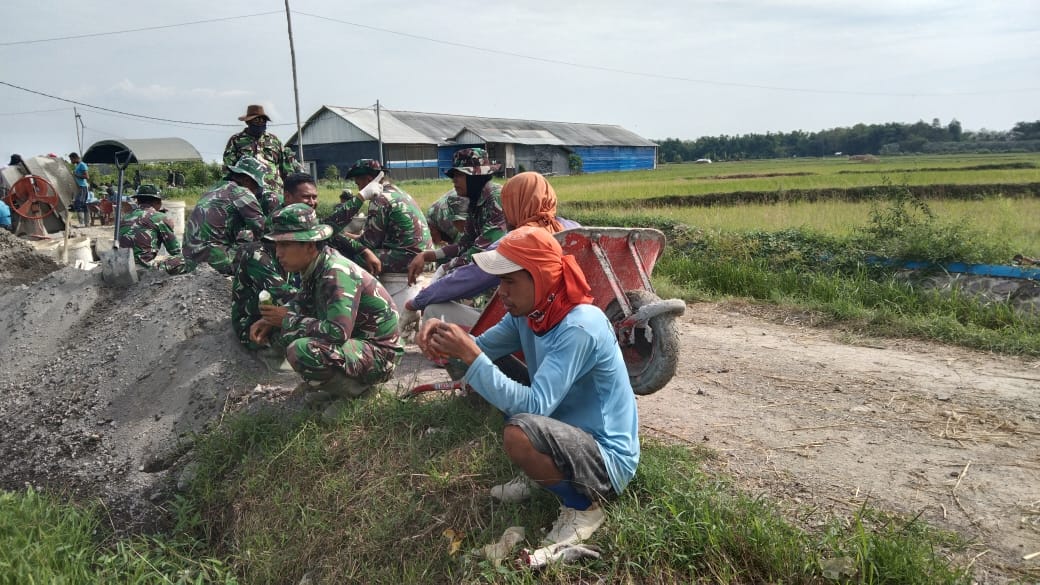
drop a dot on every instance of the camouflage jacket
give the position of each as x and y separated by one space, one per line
268 149
146 230
395 229
271 201
339 301
444 212
485 226
228 214
257 269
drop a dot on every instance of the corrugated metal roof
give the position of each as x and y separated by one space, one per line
402 127
394 131
144 150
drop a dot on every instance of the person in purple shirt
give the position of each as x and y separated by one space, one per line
527 200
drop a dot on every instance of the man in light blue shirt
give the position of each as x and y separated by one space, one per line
575 429
79 204
5 216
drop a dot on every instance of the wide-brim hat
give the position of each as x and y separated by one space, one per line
252 168
148 190
254 111
472 161
297 223
364 166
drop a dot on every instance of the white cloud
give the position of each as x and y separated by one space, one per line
156 92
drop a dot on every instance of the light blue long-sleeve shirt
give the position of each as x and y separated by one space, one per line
578 376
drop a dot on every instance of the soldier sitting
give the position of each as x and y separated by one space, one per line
395 231
257 269
340 330
226 217
147 228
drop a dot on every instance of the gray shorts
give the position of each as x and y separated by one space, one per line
573 450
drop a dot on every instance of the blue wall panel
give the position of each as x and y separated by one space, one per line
601 159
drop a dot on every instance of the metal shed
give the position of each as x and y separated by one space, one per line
142 150
420 145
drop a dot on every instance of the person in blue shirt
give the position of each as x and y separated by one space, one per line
574 430
80 173
5 216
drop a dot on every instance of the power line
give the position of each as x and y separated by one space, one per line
132 30
34 112
655 75
132 115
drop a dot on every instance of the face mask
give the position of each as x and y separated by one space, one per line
256 131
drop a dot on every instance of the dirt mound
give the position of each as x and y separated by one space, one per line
19 261
107 386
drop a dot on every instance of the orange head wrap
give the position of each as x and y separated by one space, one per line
559 283
528 199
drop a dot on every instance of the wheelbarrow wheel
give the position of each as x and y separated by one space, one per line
651 364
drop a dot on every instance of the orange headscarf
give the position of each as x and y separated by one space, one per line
559 283
528 199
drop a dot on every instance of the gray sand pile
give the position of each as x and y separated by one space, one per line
19 261
104 388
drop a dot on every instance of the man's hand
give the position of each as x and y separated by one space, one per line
259 333
375 187
440 340
416 267
273 315
374 264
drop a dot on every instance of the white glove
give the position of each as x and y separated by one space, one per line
557 553
372 189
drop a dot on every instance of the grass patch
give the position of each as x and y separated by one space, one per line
369 499
45 541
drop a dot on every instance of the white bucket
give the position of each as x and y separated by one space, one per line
79 249
397 285
175 211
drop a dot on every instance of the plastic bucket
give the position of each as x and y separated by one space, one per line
79 249
175 211
397 285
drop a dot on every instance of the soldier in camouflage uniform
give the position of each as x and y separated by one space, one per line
226 217
147 228
340 331
256 142
257 268
395 228
471 173
447 218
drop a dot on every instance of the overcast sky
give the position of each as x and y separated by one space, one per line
668 68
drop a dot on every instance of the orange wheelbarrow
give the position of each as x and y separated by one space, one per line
617 263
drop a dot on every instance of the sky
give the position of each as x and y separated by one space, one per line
665 68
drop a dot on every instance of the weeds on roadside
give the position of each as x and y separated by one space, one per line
45 541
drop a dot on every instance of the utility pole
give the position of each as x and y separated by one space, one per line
379 131
79 133
295 85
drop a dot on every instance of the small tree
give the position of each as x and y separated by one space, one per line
575 163
332 173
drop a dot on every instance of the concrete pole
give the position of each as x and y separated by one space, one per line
295 85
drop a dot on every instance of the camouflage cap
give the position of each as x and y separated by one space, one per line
252 168
364 166
472 161
148 190
297 223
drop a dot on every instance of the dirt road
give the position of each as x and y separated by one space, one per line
818 419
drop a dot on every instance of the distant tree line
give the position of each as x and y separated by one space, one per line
878 139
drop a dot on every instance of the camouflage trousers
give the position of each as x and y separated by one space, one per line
317 359
220 257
